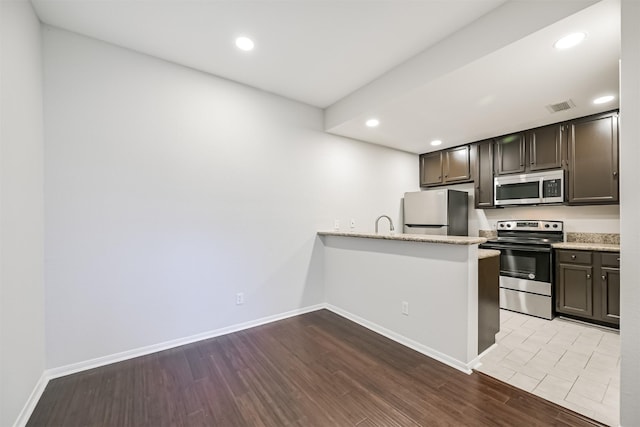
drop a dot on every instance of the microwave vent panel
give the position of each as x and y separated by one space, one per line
561 106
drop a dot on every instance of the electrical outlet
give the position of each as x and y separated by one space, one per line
239 298
352 223
405 308
336 224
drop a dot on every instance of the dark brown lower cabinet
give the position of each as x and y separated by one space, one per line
575 290
610 277
588 285
488 301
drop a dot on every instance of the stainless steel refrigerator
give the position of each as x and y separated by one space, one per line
444 212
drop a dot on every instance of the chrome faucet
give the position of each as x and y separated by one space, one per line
390 222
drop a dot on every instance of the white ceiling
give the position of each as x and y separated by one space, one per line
503 91
313 51
333 53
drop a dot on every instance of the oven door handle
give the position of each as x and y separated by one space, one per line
516 247
508 273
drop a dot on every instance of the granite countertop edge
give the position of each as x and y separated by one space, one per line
604 247
423 238
487 253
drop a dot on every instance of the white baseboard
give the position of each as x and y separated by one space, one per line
154 348
32 401
467 368
491 347
476 362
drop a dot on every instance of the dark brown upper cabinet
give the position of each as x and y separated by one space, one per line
510 154
431 169
530 151
587 148
445 167
483 174
544 148
456 164
593 160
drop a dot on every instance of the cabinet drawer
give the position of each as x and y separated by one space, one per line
575 257
611 259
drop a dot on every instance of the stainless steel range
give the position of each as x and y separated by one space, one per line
526 265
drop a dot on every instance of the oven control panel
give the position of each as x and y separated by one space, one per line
529 225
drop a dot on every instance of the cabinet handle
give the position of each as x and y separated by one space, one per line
604 277
588 276
615 174
618 259
573 257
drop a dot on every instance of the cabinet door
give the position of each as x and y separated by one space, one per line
456 164
484 175
593 160
510 154
575 290
610 295
431 169
544 146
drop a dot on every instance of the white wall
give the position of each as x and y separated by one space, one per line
367 280
168 191
22 353
585 219
630 207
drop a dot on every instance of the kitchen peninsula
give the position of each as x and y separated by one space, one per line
419 290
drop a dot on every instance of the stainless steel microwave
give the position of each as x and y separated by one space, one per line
529 188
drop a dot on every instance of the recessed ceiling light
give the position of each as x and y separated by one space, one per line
570 40
603 99
244 43
436 142
372 123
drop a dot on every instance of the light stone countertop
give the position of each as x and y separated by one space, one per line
425 238
487 253
603 247
608 238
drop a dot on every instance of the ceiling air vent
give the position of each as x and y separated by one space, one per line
561 106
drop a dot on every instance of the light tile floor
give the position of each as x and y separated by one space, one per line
569 363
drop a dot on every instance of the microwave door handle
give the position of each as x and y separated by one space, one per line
496 190
541 189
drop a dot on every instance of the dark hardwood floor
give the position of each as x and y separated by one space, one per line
317 369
